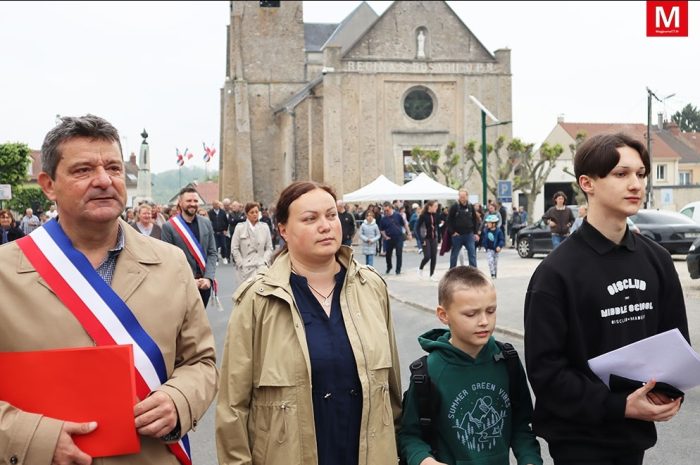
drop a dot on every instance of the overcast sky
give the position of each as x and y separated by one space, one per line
160 65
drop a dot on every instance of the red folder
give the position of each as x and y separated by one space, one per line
79 384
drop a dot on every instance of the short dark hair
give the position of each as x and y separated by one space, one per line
460 277
597 156
250 205
187 190
70 127
559 194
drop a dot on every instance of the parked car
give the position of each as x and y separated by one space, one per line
693 259
673 231
537 239
692 211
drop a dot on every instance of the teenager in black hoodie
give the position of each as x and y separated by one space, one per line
601 289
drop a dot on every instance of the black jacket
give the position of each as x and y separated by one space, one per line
233 220
13 234
347 221
462 219
430 227
218 220
588 297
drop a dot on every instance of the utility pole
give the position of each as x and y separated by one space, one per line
649 202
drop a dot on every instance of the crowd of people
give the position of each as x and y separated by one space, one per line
310 369
384 229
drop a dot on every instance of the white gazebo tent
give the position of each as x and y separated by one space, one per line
423 187
378 190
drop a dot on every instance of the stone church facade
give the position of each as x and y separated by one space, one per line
344 103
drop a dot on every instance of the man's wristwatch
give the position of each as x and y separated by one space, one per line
174 435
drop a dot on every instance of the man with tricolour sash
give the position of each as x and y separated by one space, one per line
194 235
88 279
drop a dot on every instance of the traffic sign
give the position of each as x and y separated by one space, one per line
505 190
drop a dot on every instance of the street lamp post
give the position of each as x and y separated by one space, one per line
484 164
649 201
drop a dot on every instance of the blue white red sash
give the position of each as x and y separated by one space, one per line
103 314
196 250
190 240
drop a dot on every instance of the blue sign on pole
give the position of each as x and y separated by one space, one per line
505 190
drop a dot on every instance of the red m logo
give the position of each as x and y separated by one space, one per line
667 19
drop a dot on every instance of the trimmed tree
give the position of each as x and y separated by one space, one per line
448 168
514 160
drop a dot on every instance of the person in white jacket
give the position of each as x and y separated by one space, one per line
369 235
251 244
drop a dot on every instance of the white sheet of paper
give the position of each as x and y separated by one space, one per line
665 357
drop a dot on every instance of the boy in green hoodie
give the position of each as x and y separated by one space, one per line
475 419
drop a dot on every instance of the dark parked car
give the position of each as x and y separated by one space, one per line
673 231
537 238
693 259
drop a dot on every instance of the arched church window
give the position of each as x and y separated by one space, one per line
418 103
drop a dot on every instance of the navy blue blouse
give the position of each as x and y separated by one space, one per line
337 393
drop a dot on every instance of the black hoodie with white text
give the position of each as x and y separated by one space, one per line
588 297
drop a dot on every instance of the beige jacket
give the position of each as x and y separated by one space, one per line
264 413
251 248
156 283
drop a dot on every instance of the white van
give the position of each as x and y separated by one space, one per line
692 211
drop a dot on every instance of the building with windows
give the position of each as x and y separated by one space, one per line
344 103
675 161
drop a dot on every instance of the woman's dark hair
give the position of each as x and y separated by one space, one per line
7 212
597 156
250 205
289 195
559 194
427 205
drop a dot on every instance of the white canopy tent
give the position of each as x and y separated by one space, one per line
378 190
423 187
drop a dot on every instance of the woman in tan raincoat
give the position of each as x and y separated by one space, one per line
310 370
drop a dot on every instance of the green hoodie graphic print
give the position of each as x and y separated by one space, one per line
473 422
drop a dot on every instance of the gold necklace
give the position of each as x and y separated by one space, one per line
327 301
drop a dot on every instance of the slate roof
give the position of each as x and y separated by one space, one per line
660 148
316 34
688 153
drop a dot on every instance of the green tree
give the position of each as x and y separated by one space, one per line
513 160
502 160
24 197
579 196
688 119
448 168
14 162
532 172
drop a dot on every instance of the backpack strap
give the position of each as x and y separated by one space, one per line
510 355
423 388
